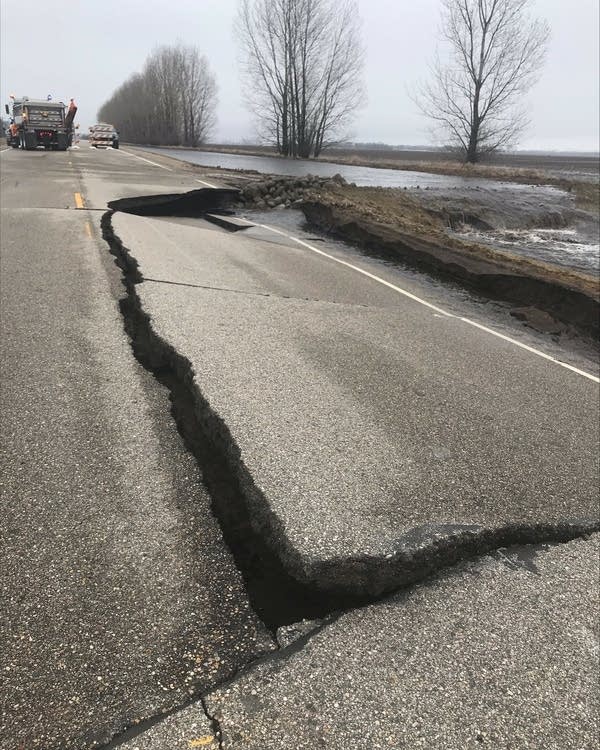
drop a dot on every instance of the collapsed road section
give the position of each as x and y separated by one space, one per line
351 439
340 470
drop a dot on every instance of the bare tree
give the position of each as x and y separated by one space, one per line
495 54
302 64
198 103
171 102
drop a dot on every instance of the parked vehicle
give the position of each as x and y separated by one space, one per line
38 122
104 135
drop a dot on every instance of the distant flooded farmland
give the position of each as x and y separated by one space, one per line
363 176
532 220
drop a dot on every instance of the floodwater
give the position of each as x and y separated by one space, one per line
562 247
572 246
362 176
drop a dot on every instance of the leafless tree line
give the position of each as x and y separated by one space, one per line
495 54
171 102
302 62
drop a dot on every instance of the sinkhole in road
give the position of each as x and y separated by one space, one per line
277 597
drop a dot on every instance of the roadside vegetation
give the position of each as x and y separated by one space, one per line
170 103
491 55
302 64
302 67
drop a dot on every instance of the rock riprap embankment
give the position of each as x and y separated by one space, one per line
284 191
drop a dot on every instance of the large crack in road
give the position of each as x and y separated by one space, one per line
282 589
277 596
254 533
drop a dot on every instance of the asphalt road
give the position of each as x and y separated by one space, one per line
119 598
372 428
378 426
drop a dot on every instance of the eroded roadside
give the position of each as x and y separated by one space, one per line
464 237
534 246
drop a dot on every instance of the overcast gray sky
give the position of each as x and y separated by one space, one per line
86 48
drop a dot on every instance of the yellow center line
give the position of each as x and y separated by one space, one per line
88 229
79 201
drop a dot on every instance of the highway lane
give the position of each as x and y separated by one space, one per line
359 412
374 426
501 653
119 598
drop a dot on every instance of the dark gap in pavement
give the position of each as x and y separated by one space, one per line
193 203
276 595
211 204
146 724
284 587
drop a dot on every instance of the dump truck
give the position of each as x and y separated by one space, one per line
104 135
39 122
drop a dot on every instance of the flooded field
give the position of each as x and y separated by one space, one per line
362 176
540 222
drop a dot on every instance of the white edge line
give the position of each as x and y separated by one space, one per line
531 349
208 184
148 161
439 310
162 166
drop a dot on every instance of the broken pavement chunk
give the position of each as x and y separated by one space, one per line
191 203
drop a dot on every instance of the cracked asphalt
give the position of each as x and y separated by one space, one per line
359 413
491 654
366 422
500 652
119 597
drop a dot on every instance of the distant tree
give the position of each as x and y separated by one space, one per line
171 102
302 64
476 96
